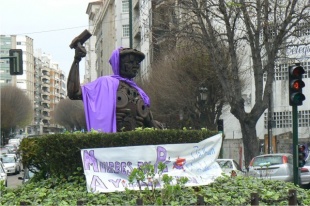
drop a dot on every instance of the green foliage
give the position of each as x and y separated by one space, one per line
62 152
223 191
168 192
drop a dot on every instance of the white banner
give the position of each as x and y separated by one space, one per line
107 169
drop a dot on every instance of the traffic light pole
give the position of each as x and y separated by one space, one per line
295 145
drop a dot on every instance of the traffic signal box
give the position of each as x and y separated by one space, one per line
296 97
301 155
16 61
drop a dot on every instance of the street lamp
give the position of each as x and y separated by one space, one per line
203 92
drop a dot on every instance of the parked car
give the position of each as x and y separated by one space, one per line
230 167
4 150
13 148
277 166
15 141
3 175
305 174
11 163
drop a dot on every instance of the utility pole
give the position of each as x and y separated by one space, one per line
130 23
295 145
269 124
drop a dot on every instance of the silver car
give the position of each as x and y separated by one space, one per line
273 166
305 174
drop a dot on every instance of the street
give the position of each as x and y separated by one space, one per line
13 181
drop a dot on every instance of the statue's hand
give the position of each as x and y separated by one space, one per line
80 52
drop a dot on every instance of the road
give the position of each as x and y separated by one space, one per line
13 181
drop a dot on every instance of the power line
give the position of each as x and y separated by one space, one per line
37 32
54 30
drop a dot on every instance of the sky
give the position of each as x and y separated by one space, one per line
52 24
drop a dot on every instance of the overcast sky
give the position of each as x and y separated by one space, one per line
52 24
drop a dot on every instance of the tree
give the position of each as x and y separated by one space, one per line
16 109
175 85
258 30
70 114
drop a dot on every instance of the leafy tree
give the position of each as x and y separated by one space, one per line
16 109
70 114
175 84
258 30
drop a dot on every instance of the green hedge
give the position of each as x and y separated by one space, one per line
59 154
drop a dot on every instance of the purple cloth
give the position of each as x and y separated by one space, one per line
99 98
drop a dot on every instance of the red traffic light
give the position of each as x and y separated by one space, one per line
297 84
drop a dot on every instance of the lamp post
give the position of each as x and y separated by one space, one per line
202 100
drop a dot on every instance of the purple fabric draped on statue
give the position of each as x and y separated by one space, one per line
99 98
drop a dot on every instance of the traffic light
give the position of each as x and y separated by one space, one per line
16 61
220 125
296 97
301 155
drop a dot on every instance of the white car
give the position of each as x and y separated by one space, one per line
230 167
11 163
3 175
15 141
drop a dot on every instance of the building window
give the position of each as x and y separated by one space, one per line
125 6
284 119
18 43
126 30
281 71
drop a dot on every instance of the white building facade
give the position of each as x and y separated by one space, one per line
110 26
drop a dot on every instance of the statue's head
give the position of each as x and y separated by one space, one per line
129 63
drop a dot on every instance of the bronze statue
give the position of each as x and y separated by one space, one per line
106 110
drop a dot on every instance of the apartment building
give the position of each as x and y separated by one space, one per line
50 89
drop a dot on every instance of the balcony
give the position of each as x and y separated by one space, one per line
136 28
45 92
45 78
46 109
46 100
46 71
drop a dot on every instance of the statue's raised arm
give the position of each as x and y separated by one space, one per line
74 90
